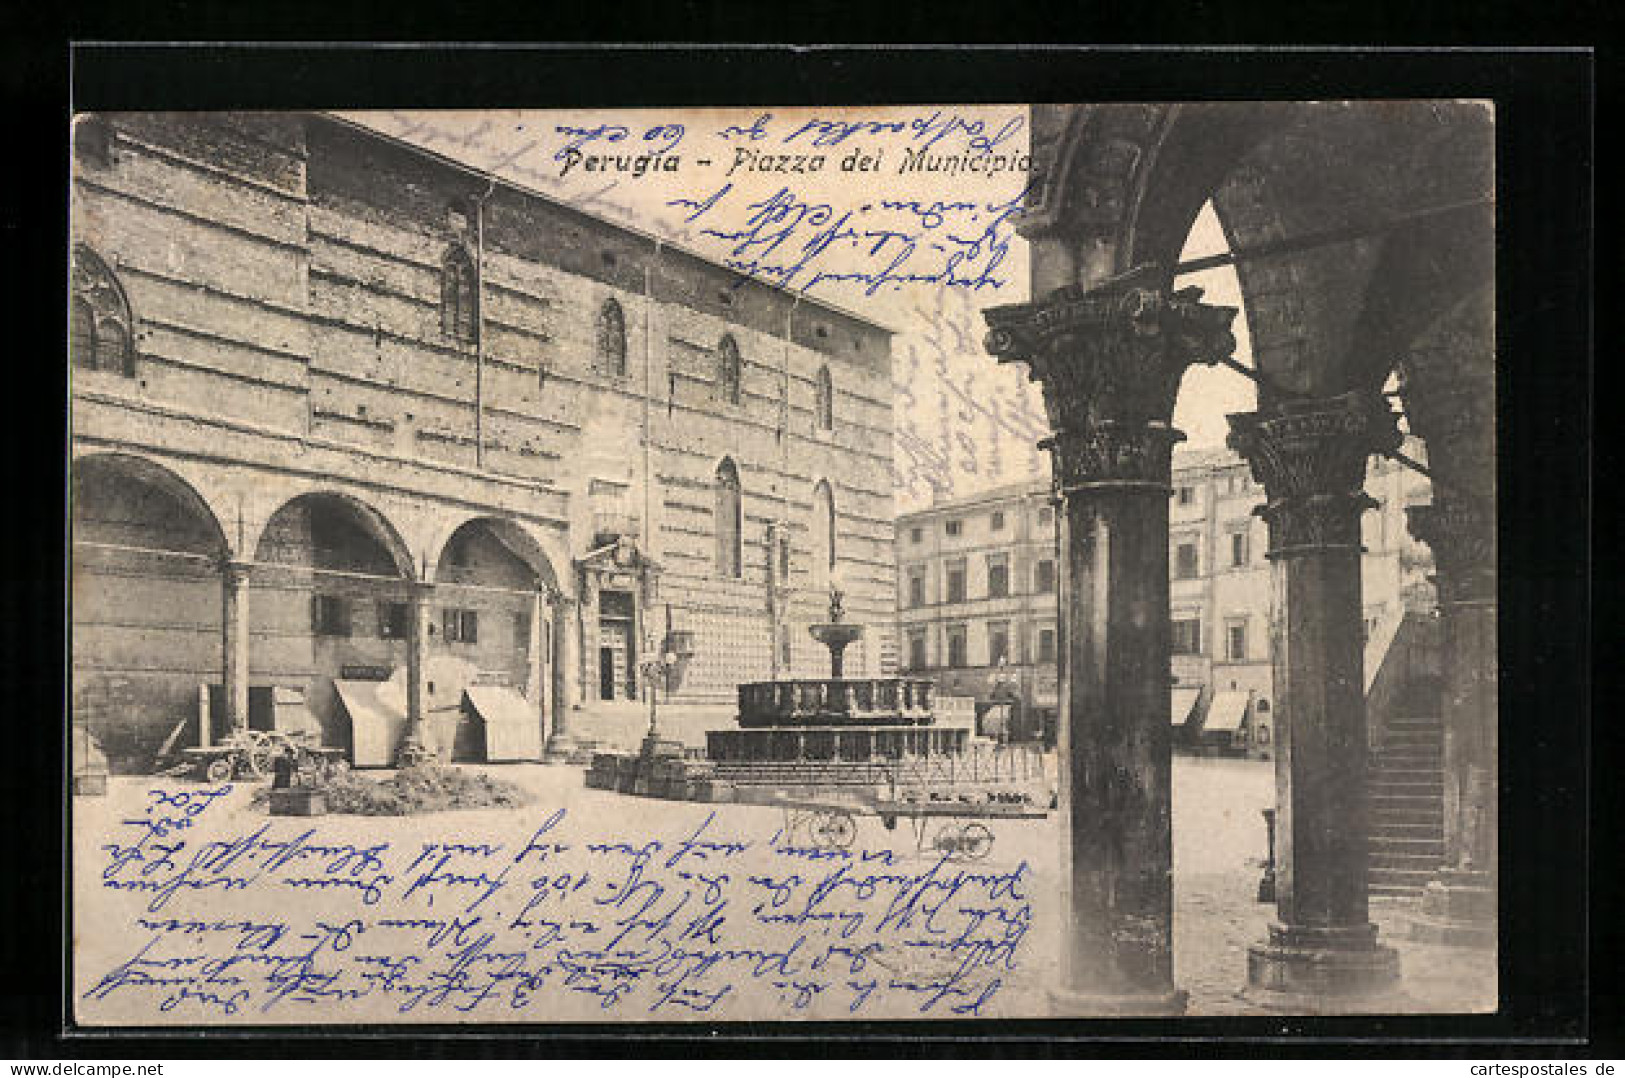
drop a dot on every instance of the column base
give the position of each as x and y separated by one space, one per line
415 752
1322 970
567 749
561 748
1068 1004
1458 910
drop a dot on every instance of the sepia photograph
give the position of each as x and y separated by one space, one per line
913 562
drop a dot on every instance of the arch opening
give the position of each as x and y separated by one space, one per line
146 604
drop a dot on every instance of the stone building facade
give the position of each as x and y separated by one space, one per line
977 582
345 410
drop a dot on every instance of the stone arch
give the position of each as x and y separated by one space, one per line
1125 183
369 519
519 539
162 478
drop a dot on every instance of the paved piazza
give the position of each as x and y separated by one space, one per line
1219 845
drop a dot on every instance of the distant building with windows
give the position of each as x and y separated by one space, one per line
344 408
977 604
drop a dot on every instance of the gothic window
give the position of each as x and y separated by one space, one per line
826 400
729 370
823 533
611 339
100 335
729 523
457 298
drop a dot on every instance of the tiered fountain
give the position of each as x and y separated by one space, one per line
830 720
805 734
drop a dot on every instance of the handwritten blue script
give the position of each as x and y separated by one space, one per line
232 917
875 245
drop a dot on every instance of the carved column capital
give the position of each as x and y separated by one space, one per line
1461 533
1110 360
1310 457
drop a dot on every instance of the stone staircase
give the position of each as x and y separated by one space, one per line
1405 798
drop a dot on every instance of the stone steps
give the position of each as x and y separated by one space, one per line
1413 878
1405 802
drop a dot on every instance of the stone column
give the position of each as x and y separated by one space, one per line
234 624
1460 905
566 677
537 682
418 746
1310 456
590 628
1110 361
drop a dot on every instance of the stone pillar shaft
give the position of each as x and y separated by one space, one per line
1110 360
1311 457
234 623
1320 761
1459 905
566 676
591 676
1116 769
537 682
418 746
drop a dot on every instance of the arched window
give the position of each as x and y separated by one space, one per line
100 336
729 521
823 535
457 299
729 369
825 406
611 339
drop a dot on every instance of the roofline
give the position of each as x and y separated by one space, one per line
655 242
1003 492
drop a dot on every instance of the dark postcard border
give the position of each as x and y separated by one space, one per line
1544 102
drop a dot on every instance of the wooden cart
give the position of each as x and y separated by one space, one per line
942 824
251 754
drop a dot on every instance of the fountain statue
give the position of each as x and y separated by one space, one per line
836 633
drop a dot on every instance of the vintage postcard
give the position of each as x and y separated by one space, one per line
855 563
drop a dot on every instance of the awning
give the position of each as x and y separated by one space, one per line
377 721
513 726
1226 712
1181 701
